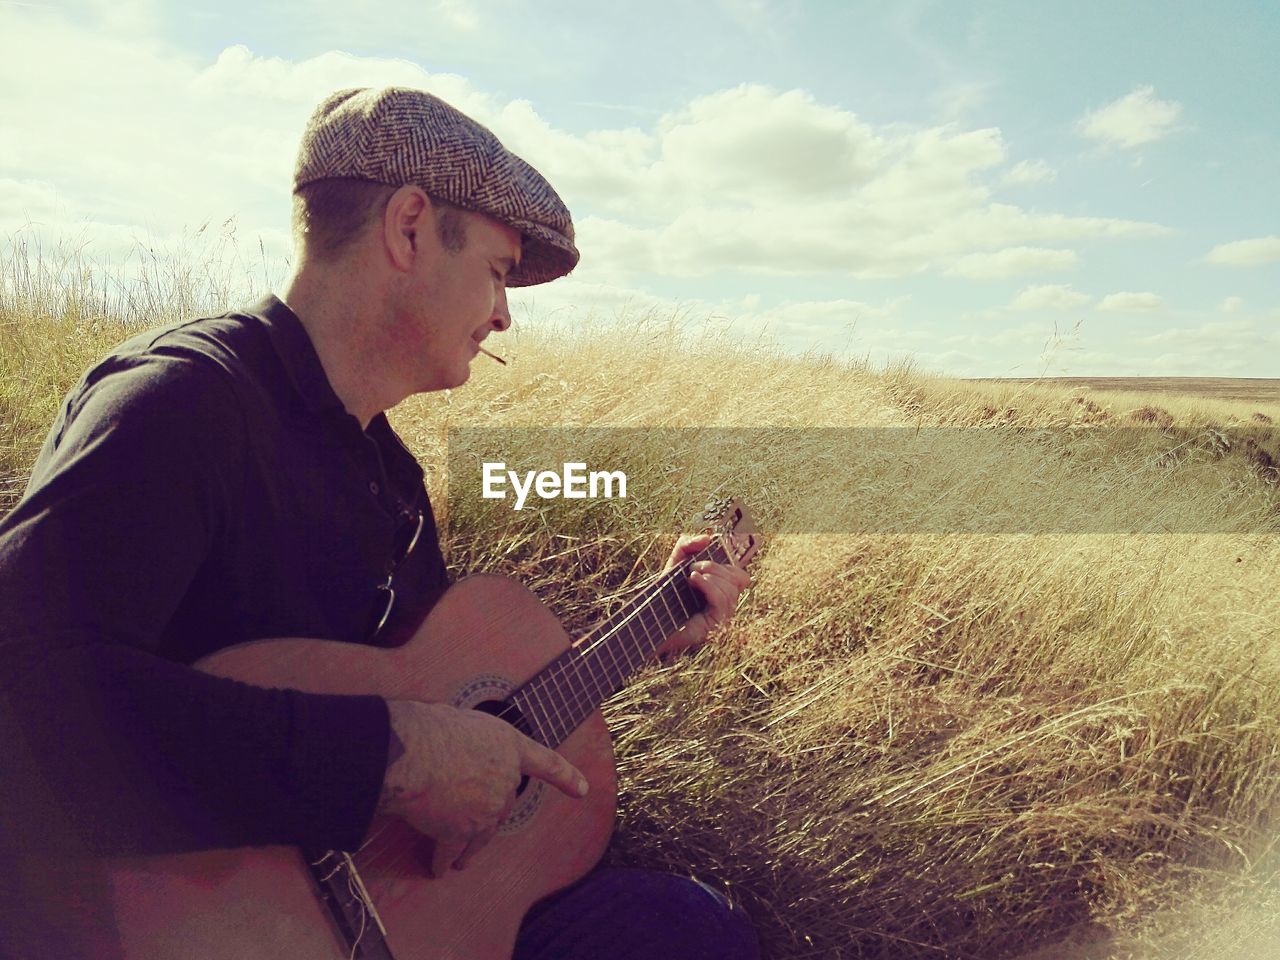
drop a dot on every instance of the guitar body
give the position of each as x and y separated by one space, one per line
486 636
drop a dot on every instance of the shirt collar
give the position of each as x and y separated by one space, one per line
294 347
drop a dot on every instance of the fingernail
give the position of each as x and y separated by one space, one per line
582 786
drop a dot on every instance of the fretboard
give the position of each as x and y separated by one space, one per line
572 687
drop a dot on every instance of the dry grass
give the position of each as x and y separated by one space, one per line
60 311
907 745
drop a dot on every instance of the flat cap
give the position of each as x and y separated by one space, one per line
400 136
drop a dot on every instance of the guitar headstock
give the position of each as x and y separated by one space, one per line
727 520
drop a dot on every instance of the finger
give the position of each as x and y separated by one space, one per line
733 580
537 761
687 545
692 542
725 597
721 590
738 576
445 855
473 847
702 583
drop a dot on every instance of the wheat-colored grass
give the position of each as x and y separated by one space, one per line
908 744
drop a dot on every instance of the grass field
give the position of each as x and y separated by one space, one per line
906 745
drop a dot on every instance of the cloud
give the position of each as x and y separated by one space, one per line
767 181
1202 334
1049 298
1031 171
1246 253
1182 348
749 179
1231 305
1213 334
132 133
887 235
1131 302
1012 262
753 142
856 239
1132 120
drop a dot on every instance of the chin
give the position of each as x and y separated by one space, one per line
446 380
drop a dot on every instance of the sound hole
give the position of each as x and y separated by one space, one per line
508 711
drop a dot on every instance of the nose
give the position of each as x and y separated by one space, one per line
501 318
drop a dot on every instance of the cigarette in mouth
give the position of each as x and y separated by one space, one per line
493 356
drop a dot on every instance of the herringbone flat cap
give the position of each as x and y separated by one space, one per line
398 136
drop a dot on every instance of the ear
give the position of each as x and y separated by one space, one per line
406 223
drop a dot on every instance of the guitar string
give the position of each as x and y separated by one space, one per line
637 606
366 901
555 673
364 923
576 656
640 606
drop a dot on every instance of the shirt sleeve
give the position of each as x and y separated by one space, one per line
107 747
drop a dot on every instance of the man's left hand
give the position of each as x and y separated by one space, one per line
720 584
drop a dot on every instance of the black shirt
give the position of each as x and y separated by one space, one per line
201 487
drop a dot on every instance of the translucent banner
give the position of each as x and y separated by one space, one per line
930 480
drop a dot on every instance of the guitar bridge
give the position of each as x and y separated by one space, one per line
344 895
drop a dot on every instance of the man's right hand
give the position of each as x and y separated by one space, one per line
452 774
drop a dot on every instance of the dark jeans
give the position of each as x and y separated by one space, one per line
614 914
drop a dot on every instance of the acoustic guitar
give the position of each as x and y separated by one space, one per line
488 644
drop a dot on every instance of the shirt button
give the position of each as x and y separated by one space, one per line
373 487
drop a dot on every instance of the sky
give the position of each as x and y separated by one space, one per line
996 189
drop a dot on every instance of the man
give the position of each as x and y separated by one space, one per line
235 478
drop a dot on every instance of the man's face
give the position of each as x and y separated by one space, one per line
455 300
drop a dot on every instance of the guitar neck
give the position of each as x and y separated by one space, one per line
572 687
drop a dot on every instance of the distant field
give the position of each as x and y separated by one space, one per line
1246 389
